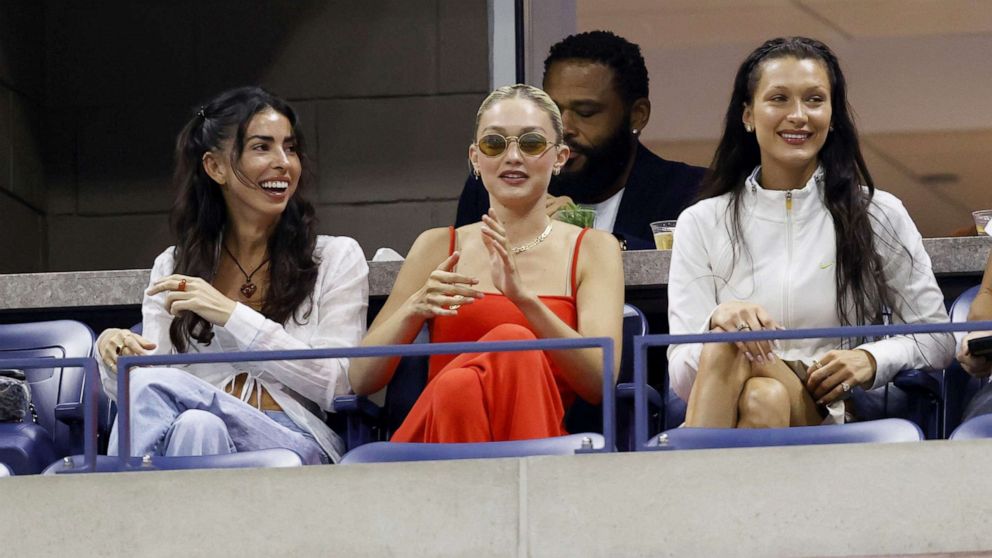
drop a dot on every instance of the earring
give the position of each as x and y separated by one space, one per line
748 128
636 132
557 170
475 171
831 127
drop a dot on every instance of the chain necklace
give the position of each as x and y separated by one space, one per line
540 238
248 288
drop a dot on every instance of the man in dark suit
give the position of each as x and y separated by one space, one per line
600 83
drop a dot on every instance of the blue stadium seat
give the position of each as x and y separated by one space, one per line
973 429
959 386
874 431
269 458
28 448
384 452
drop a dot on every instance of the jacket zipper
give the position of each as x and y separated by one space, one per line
787 285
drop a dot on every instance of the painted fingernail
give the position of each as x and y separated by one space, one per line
771 356
749 355
761 359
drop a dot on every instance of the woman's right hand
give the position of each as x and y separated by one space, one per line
746 316
444 292
975 365
114 343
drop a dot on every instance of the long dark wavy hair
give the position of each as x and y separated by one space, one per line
199 216
848 190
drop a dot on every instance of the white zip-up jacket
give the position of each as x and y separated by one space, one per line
787 268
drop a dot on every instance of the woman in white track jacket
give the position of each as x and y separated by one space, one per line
791 233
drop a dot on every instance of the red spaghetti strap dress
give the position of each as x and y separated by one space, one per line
486 397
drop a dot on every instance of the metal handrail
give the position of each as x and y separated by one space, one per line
641 344
126 363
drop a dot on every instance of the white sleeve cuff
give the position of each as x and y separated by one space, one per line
245 324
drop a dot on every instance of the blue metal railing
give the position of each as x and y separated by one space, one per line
641 344
126 363
91 395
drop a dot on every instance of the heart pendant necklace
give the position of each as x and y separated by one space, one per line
248 288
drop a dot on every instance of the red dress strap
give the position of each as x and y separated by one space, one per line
451 241
575 257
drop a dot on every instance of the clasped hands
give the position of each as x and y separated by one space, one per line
446 291
184 293
828 379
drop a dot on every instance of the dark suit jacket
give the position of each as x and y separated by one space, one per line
657 190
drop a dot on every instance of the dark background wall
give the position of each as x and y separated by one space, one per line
23 245
93 93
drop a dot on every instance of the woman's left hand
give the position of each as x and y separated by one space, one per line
837 373
501 264
193 294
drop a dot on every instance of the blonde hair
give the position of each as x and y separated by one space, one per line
531 93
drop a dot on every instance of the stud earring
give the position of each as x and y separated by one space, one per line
748 128
636 132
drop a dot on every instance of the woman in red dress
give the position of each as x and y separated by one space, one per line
515 275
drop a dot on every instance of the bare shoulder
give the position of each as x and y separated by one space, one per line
427 252
431 242
599 256
601 243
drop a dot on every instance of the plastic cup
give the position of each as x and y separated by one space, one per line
578 216
982 218
664 234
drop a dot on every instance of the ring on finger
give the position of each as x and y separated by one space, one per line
182 285
742 326
846 387
816 364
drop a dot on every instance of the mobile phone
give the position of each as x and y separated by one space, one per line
13 373
981 346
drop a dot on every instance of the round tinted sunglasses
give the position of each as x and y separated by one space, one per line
531 143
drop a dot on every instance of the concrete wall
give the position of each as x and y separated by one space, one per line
926 498
22 187
387 91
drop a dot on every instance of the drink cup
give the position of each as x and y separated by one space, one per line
664 234
578 216
982 218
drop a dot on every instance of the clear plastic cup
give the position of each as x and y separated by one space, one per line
664 234
982 218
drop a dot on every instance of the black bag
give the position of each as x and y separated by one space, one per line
15 397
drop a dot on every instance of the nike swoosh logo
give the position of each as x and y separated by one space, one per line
826 265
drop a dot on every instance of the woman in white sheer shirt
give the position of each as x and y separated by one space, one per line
248 273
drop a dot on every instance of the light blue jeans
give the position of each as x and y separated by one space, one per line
176 413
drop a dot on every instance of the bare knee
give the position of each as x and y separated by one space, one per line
723 360
764 403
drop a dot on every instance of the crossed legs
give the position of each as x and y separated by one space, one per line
730 391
